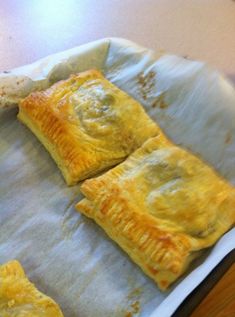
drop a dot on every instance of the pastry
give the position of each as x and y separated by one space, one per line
162 206
20 298
86 123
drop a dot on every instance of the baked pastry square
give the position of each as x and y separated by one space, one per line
86 123
20 298
162 206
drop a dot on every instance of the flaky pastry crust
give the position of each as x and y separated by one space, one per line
86 123
162 206
20 298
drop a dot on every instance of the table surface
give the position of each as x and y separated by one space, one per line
220 302
200 29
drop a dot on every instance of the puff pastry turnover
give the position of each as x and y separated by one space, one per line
162 206
20 298
86 123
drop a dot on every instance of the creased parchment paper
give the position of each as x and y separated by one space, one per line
67 255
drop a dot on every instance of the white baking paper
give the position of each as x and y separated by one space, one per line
67 255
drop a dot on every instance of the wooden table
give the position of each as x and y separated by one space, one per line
220 301
200 29
215 296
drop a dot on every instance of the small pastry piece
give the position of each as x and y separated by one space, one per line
20 298
86 123
162 206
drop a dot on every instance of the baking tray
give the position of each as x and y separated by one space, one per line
67 255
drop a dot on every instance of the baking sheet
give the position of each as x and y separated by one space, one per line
67 255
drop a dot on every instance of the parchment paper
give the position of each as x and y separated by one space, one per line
67 255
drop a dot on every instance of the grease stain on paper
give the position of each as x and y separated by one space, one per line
146 84
160 102
133 310
228 138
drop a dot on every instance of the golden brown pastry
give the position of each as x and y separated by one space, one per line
162 206
20 298
86 123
